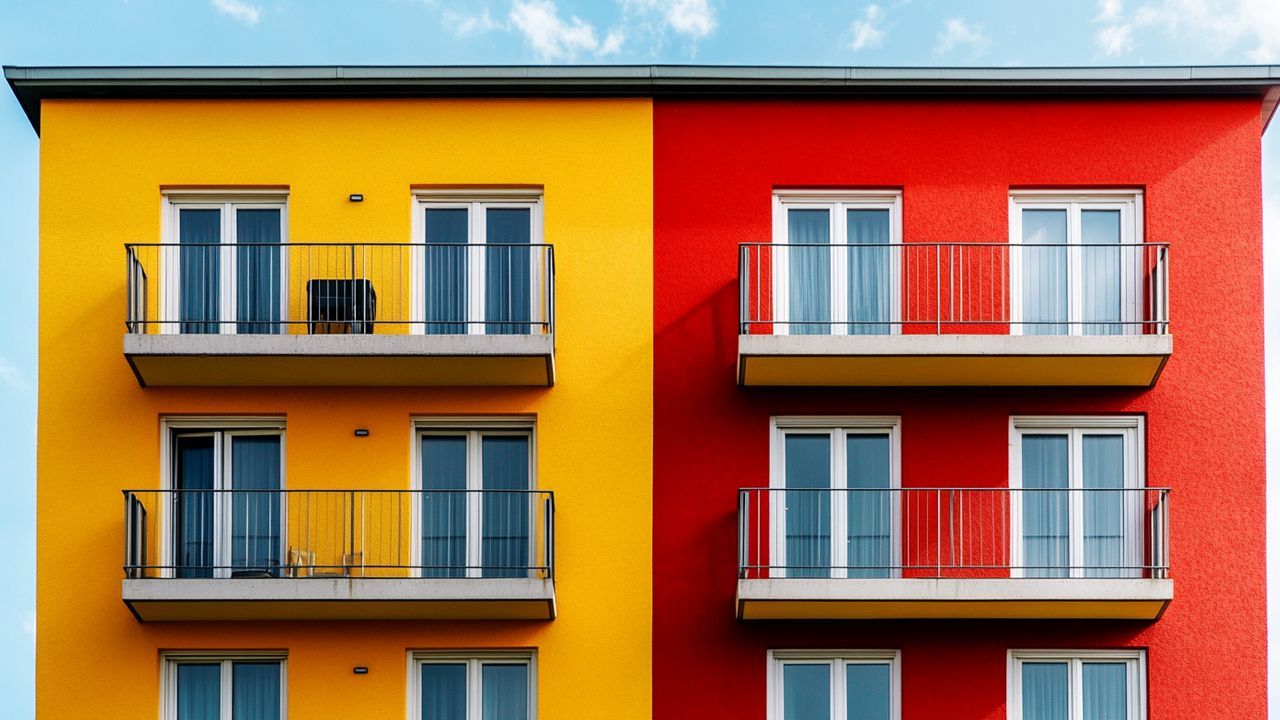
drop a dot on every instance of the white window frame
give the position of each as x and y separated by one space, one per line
474 429
169 676
837 660
226 201
475 203
836 202
1134 659
838 428
220 427
1132 427
474 661
1128 202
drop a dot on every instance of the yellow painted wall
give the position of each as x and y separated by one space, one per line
102 167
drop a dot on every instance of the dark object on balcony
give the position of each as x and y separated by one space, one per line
341 307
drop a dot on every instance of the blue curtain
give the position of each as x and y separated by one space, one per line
199 691
504 688
1100 269
809 286
255 691
1105 691
1104 505
806 691
1045 299
199 299
1045 506
504 542
870 272
808 505
1044 691
508 232
445 278
444 514
259 260
194 481
867 688
255 516
869 505
444 691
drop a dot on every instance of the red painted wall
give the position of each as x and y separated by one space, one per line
1199 164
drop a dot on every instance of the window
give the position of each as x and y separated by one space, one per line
825 685
1078 503
475 508
1078 267
204 686
836 270
476 686
835 516
1077 685
224 268
224 519
478 271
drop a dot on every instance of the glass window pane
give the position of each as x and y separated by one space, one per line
867 688
504 544
199 291
1044 691
1104 506
199 691
1100 282
809 282
1045 506
445 279
869 504
508 232
505 691
806 691
1105 691
870 272
193 482
808 504
444 691
259 261
255 516
1044 272
255 691
444 505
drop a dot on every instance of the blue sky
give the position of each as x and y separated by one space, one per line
231 32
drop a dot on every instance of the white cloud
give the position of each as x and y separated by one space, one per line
692 18
11 376
1218 27
957 33
867 32
239 10
553 38
464 25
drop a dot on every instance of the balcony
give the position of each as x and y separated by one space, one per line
197 555
809 554
953 314
308 314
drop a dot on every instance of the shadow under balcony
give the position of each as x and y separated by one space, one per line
206 555
953 553
307 314
953 314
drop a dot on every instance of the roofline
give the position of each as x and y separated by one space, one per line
33 84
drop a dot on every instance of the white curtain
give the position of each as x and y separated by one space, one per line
255 691
1045 506
870 280
444 505
505 691
869 505
444 691
809 262
255 515
199 691
1044 272
1105 691
1044 691
1105 501
867 688
504 545
1100 283
808 505
806 691
445 273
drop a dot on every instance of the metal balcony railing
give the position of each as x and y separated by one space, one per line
953 533
954 288
339 533
340 288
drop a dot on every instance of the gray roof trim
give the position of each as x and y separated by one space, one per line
32 84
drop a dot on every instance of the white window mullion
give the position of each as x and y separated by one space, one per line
839 504
1075 496
226 690
838 699
1075 270
839 270
475 501
227 275
478 260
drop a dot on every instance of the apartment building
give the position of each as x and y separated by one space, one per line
630 392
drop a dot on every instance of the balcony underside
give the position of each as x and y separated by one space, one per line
169 600
341 360
951 360
921 598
